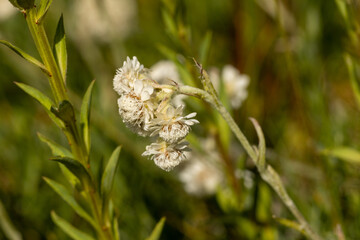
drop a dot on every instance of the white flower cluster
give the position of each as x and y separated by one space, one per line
146 110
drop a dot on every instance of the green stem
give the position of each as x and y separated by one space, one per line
267 173
71 131
43 46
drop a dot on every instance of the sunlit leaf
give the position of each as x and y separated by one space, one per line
26 56
109 173
74 166
85 116
70 230
205 48
42 10
155 235
43 100
344 153
60 47
69 199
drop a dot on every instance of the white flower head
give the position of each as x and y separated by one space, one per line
164 71
235 85
200 177
136 107
165 155
126 76
171 126
202 173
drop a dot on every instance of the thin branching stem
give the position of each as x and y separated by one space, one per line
267 173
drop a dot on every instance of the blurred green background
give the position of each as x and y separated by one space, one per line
302 92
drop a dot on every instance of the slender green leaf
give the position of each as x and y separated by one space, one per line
69 199
109 173
70 230
60 47
205 48
262 146
42 10
291 224
26 56
116 228
170 24
341 4
75 167
56 149
65 112
43 100
155 235
7 226
85 116
344 153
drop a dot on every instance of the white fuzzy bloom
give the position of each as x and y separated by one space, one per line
235 84
126 76
165 155
164 71
200 177
203 173
171 126
136 107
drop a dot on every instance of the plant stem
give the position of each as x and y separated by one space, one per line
71 131
43 46
267 173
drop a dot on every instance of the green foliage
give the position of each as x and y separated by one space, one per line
107 180
43 100
155 235
23 4
60 47
69 199
75 167
42 10
85 116
71 231
26 56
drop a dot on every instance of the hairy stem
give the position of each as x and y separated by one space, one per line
267 173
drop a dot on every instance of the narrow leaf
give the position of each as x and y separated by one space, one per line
26 56
60 47
75 167
85 116
65 112
56 149
70 230
42 10
69 199
205 48
344 153
262 147
43 100
155 235
7 226
109 173
116 228
291 224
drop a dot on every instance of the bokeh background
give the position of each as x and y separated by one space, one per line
302 58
